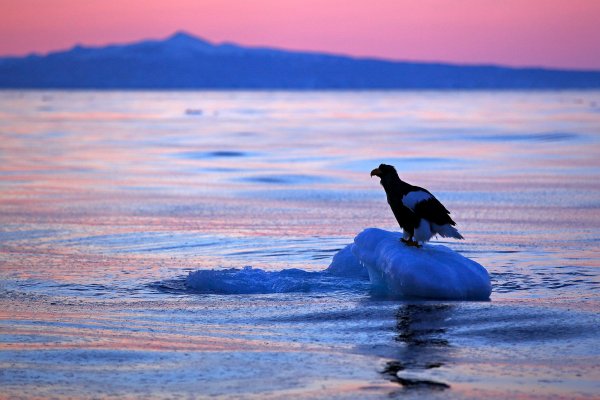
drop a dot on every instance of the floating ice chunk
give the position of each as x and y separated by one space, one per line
430 272
394 269
345 264
250 280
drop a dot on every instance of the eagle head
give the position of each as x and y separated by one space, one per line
383 170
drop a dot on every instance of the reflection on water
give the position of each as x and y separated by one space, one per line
421 329
109 201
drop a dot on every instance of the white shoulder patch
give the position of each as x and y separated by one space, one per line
412 198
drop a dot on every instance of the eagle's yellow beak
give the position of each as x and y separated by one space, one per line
376 172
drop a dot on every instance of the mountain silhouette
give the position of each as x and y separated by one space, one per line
184 61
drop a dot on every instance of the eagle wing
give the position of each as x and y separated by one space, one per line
426 206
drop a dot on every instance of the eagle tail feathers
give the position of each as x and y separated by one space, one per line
447 231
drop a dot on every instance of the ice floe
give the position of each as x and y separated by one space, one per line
377 259
250 280
430 272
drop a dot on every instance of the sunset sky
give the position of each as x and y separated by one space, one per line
549 33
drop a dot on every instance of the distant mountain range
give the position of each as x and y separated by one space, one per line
183 61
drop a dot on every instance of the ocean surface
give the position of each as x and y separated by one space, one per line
110 200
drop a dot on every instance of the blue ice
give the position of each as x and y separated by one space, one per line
376 257
430 272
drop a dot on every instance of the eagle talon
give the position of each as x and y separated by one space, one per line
414 244
411 243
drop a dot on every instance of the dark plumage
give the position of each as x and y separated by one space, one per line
420 215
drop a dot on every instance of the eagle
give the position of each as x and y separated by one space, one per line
420 215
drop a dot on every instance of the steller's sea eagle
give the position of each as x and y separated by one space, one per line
420 215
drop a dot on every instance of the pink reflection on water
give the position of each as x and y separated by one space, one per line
288 165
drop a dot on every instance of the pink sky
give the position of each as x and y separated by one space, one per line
551 33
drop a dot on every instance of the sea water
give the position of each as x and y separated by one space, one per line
111 203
